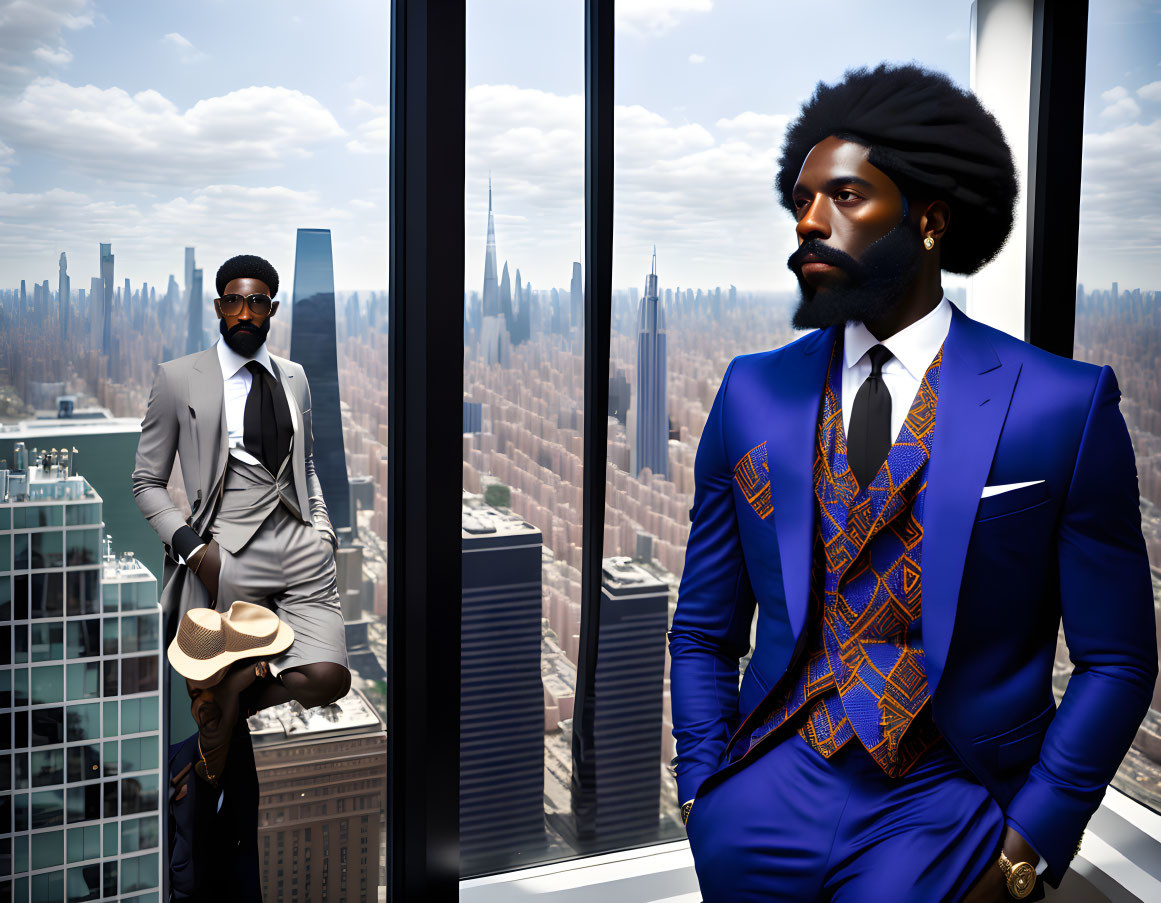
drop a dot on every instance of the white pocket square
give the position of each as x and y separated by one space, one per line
1006 487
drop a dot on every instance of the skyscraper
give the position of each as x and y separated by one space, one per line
494 337
106 329
576 295
64 295
616 773
651 446
312 344
501 697
197 336
189 268
86 627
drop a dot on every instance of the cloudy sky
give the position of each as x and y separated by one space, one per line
229 125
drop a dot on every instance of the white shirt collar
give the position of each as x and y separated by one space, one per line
232 362
914 346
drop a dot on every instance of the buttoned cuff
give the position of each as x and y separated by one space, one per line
185 542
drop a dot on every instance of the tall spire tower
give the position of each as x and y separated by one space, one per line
494 329
651 448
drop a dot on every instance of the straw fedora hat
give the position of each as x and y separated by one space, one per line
208 641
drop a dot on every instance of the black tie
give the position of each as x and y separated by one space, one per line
870 434
266 421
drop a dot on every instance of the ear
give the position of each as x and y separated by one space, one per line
934 220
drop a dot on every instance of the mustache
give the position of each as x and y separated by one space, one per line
242 326
815 247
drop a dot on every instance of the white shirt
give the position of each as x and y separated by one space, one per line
236 381
913 348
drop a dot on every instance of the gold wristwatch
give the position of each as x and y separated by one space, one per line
1021 876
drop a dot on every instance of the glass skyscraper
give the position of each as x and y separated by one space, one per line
80 708
312 344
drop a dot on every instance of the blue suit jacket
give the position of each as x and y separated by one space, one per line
999 573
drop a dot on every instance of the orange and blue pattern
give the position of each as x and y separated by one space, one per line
864 674
752 476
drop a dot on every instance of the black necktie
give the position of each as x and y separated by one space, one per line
266 421
870 432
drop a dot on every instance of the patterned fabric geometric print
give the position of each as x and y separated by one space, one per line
752 474
864 673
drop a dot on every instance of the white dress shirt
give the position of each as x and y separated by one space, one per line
912 348
236 381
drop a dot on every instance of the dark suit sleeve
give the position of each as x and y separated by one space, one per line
711 624
1106 600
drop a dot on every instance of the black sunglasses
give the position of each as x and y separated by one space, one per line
259 304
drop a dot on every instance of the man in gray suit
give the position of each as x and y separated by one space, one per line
239 419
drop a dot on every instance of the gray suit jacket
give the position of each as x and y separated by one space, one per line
186 416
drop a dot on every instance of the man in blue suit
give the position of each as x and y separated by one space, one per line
913 502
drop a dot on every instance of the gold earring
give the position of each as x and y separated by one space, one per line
929 242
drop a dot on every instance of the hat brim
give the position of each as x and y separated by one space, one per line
200 669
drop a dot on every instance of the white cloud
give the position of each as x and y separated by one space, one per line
373 132
146 138
1120 182
218 220
1112 95
704 196
7 161
1125 108
186 51
655 17
1151 91
696 58
31 38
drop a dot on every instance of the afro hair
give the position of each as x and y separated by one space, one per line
247 266
936 142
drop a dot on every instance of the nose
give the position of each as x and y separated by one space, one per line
813 223
244 313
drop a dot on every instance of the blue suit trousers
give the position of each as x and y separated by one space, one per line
797 827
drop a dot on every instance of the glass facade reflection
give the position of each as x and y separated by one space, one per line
80 717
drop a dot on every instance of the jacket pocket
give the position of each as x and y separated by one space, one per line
1020 744
1012 502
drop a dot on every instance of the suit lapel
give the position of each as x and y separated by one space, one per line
975 391
797 388
209 415
298 446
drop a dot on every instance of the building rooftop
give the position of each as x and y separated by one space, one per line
290 722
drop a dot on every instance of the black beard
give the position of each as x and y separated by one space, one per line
245 338
875 282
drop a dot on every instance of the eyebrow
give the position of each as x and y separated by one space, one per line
834 183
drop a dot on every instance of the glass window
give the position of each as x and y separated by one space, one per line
138 794
84 722
47 810
139 634
111 635
111 593
84 803
84 843
48 726
47 849
20 681
139 675
21 762
1118 299
136 595
112 759
47 684
47 767
84 638
84 883
89 513
20 551
5 772
110 840
84 763
46 549
84 592
84 547
36 516
139 873
111 729
20 809
84 680
5 553
48 886
110 683
46 641
20 643
5 647
46 595
138 834
110 874
6 587
139 754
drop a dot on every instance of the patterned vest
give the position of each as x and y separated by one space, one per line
864 673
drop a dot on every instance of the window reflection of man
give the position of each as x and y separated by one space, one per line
239 419
900 472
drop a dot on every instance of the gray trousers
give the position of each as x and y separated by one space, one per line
289 567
